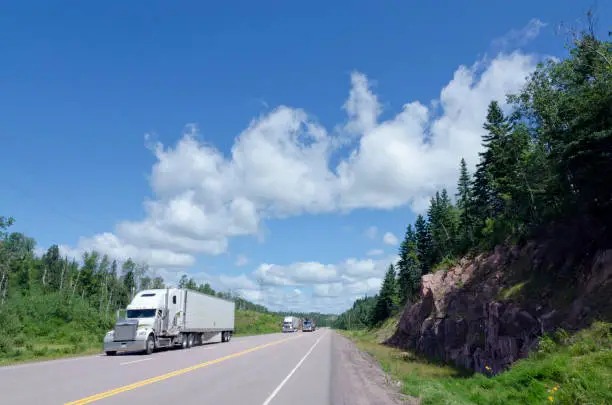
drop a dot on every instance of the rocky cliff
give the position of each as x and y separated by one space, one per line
489 311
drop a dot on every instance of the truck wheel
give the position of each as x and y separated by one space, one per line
150 344
228 336
111 353
184 342
189 340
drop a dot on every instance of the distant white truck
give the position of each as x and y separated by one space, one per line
291 324
170 317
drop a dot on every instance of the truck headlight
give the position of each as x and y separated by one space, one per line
142 332
110 333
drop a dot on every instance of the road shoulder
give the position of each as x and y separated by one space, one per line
357 379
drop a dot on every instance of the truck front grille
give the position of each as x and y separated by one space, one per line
125 332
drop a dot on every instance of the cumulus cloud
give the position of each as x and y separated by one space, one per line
241 282
313 273
375 252
371 232
241 260
390 239
521 36
281 166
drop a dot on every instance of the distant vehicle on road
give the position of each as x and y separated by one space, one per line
170 317
308 325
291 324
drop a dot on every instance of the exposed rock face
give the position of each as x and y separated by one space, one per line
462 317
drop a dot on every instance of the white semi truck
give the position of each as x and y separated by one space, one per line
170 317
291 324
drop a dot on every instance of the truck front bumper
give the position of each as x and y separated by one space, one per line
124 346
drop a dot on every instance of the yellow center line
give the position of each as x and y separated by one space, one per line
162 377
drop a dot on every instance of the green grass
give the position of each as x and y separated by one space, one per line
445 264
42 327
256 323
511 292
578 366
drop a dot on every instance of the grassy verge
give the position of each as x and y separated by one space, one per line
565 370
256 323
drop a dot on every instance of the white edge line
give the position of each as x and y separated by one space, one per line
135 361
280 386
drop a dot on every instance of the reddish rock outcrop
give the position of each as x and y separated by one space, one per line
466 316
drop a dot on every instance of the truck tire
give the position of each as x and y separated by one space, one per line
184 341
150 345
111 353
189 340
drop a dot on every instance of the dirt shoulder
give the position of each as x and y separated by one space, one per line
357 379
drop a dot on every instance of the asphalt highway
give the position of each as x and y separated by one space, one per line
315 368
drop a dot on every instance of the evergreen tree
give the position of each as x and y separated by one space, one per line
424 244
443 221
487 202
409 270
464 205
385 302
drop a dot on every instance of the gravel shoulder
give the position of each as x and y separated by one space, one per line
357 379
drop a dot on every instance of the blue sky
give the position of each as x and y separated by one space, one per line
83 84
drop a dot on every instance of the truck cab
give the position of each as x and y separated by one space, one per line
308 326
145 318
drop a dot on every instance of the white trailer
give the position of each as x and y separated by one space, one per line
291 324
171 317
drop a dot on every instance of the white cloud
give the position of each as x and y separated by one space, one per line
313 273
519 37
241 260
390 239
371 232
280 166
375 252
297 273
110 244
241 282
285 164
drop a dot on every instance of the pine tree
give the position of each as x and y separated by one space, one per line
385 302
407 246
424 244
464 205
487 201
443 222
409 268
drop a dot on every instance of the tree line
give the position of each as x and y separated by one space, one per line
548 159
98 280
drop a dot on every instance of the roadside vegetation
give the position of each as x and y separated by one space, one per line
257 323
546 162
564 370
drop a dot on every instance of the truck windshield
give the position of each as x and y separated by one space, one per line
140 313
